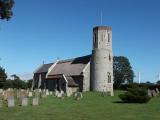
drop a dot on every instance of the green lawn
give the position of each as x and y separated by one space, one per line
91 107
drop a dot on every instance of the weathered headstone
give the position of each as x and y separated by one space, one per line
149 93
59 94
18 93
36 93
56 93
154 94
1 90
50 93
69 92
35 101
24 101
30 94
43 95
78 95
23 94
11 102
157 90
47 92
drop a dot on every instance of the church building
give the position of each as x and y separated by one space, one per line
86 73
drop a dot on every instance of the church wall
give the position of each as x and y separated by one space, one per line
86 78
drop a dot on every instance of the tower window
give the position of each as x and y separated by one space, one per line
109 77
109 37
109 57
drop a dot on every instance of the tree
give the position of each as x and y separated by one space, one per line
158 82
6 9
122 71
3 77
29 83
15 77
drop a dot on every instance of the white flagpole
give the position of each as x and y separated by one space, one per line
101 18
139 77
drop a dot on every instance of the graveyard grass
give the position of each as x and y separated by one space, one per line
92 107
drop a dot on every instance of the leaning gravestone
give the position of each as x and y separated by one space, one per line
149 93
24 101
35 101
157 90
154 94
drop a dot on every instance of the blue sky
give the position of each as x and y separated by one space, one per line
50 29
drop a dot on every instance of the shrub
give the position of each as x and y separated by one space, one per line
135 95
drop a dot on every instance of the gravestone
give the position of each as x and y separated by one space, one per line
157 90
1 100
47 92
36 93
149 93
18 93
30 94
24 101
23 94
43 95
11 102
154 94
35 101
56 93
78 95
59 94
69 92
1 90
50 93
39 90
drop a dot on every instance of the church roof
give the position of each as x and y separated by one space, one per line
70 67
43 68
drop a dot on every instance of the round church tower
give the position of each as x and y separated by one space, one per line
102 60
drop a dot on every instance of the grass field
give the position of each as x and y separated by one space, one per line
91 107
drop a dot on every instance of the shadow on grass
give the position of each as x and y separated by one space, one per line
122 102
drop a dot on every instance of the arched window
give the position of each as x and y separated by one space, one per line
109 77
109 37
109 57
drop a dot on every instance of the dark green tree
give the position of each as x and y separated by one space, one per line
3 76
122 71
29 83
158 82
6 9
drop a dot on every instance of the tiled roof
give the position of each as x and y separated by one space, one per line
44 68
70 67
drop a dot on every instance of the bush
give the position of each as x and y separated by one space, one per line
135 95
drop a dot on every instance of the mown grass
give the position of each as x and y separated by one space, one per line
92 107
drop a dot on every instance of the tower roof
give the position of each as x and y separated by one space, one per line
102 28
